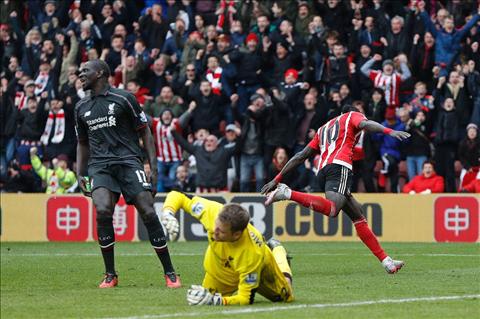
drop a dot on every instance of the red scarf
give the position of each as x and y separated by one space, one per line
214 79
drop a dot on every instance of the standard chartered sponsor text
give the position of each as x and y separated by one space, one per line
101 122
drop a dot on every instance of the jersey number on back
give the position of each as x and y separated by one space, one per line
332 133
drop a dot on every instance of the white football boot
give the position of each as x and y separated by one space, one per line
282 192
392 266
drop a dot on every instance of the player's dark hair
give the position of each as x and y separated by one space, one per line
349 108
235 215
357 103
101 65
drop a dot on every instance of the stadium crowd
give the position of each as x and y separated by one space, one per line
232 89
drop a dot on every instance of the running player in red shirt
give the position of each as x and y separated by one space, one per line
335 141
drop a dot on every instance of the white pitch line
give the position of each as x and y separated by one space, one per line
301 306
8 254
89 254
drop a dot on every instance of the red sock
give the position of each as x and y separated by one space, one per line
381 180
369 239
317 203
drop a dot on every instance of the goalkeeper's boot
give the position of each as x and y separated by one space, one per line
110 281
172 280
392 266
282 192
272 243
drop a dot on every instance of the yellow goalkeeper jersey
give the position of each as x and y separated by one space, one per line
236 264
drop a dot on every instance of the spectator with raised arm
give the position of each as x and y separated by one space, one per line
388 79
212 162
447 38
57 179
169 152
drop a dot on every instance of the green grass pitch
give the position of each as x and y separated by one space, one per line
331 280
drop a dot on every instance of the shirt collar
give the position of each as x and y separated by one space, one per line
104 91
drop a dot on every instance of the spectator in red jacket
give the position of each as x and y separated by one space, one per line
473 186
426 183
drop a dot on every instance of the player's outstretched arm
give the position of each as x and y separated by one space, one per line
83 153
296 160
374 127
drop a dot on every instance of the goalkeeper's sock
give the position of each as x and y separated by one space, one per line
280 255
106 240
159 243
369 238
317 203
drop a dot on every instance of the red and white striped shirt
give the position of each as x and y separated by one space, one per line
336 139
168 150
390 84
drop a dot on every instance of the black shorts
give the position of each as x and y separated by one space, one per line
128 179
338 178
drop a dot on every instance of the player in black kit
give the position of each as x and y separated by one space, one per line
109 123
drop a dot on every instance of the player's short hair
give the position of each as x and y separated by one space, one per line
431 162
101 65
349 108
358 103
235 215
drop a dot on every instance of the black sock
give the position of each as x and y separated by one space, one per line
109 259
159 242
106 240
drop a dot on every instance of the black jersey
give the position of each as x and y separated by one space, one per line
110 122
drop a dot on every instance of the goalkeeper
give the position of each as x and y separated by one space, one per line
237 259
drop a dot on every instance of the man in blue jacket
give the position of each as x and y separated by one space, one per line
447 38
390 149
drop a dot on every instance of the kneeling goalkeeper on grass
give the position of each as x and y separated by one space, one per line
238 262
